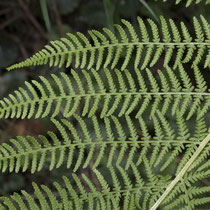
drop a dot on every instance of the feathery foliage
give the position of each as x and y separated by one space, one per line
120 92
146 129
105 49
123 141
22 151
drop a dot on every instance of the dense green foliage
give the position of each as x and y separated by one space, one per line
111 115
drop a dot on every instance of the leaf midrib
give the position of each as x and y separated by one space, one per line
122 44
69 144
29 100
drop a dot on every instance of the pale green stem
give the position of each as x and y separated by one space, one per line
182 172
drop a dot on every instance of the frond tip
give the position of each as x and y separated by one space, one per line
105 49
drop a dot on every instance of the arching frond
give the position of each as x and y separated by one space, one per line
89 197
130 139
120 92
131 193
105 49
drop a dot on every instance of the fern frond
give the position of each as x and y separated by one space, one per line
49 96
27 152
151 161
128 140
200 133
105 49
68 196
189 2
180 202
87 195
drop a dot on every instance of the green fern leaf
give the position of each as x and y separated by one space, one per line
108 48
68 94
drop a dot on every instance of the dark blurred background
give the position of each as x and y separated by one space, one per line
27 25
